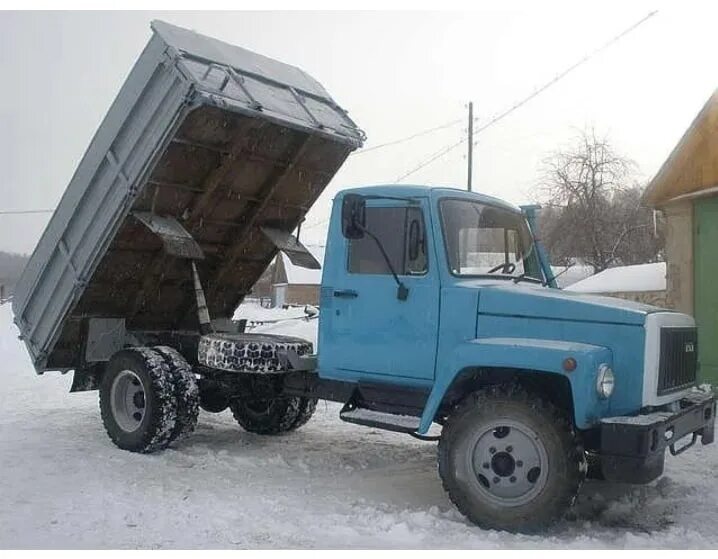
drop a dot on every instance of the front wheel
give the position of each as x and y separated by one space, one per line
510 460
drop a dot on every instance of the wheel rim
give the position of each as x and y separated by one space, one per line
510 463
127 399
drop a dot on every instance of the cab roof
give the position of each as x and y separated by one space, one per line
419 190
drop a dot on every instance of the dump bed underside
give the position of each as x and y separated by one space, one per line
223 176
224 141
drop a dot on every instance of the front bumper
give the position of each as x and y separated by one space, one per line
632 448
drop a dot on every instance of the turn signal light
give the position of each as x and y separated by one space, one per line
569 364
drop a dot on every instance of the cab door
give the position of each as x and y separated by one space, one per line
369 331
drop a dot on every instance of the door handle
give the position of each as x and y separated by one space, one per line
346 293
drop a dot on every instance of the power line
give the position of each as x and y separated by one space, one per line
534 94
21 212
411 137
567 71
436 155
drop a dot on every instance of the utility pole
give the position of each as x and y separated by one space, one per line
470 155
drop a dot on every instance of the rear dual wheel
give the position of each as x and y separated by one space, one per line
148 398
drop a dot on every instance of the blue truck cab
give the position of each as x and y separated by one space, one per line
435 297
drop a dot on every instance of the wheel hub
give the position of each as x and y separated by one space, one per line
503 464
127 401
510 463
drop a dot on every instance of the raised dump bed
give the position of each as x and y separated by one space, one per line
225 141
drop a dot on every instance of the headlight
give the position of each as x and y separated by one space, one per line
604 381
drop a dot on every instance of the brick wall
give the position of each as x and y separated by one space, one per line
302 295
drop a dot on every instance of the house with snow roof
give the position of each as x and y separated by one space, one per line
643 283
568 275
293 285
685 190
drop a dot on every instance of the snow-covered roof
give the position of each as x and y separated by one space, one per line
642 277
302 276
575 273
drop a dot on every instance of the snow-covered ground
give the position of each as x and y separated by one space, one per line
330 485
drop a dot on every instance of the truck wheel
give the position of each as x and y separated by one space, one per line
249 353
186 392
510 460
266 416
137 400
307 407
262 408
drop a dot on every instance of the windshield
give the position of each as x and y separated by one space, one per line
483 240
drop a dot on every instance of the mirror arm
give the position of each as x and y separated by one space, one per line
402 291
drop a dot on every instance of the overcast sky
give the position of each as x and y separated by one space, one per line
396 73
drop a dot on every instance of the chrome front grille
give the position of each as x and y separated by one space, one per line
678 359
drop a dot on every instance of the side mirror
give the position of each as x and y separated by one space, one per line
353 216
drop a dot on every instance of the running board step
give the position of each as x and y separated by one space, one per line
380 420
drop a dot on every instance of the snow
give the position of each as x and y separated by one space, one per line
296 275
329 485
254 312
290 322
573 274
642 277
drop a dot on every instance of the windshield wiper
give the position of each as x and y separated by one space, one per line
526 277
562 272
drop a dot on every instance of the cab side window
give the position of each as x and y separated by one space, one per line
402 233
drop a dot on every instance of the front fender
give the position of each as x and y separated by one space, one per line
540 356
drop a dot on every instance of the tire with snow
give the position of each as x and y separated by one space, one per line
307 407
248 353
138 402
510 460
262 408
186 392
265 417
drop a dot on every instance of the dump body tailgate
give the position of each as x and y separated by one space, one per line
224 140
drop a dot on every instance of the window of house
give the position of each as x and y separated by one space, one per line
402 234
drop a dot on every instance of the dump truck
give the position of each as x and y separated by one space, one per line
439 315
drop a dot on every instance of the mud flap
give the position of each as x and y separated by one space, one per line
84 380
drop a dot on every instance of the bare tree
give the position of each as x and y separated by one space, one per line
594 208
